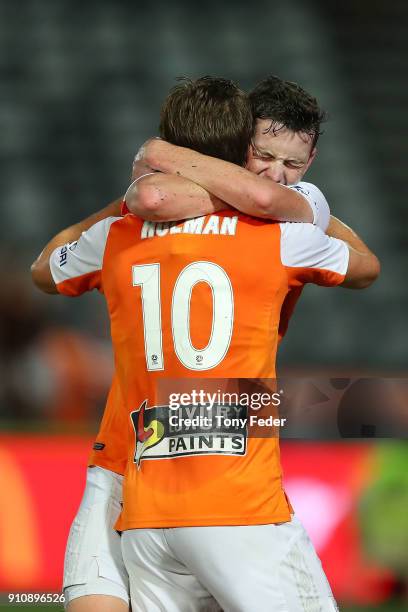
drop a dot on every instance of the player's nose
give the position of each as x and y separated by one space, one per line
276 173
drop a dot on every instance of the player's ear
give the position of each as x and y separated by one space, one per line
313 154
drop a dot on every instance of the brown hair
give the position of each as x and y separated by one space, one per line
210 115
287 105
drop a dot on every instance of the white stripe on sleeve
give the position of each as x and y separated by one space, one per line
83 256
305 246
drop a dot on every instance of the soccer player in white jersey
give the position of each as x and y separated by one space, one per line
287 127
280 165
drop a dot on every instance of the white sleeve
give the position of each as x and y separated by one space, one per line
76 266
317 202
312 256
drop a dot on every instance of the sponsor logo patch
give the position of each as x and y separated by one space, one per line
162 433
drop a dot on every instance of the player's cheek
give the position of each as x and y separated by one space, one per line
293 176
251 163
256 166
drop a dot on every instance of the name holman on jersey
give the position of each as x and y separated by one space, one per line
226 226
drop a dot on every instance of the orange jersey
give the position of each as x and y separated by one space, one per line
110 449
196 299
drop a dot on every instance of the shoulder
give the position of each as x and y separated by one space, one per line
307 246
317 202
308 189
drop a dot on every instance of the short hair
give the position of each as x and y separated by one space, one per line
210 115
287 105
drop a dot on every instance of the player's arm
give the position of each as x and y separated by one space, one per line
310 256
155 196
230 183
40 269
363 266
168 197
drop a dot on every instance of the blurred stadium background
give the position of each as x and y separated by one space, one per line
82 84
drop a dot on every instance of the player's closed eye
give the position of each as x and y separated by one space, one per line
256 152
294 165
258 155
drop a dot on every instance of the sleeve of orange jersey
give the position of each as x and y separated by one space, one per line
309 256
76 267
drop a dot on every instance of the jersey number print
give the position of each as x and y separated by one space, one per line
147 276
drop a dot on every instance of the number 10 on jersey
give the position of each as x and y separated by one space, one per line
147 276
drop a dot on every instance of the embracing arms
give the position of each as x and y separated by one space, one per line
40 269
156 197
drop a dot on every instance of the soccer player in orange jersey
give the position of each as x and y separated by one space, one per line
148 275
287 127
95 575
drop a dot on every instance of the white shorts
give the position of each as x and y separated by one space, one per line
257 568
93 557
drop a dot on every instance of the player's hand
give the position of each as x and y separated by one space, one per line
158 153
140 165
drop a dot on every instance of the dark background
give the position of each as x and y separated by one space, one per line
82 85
81 88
